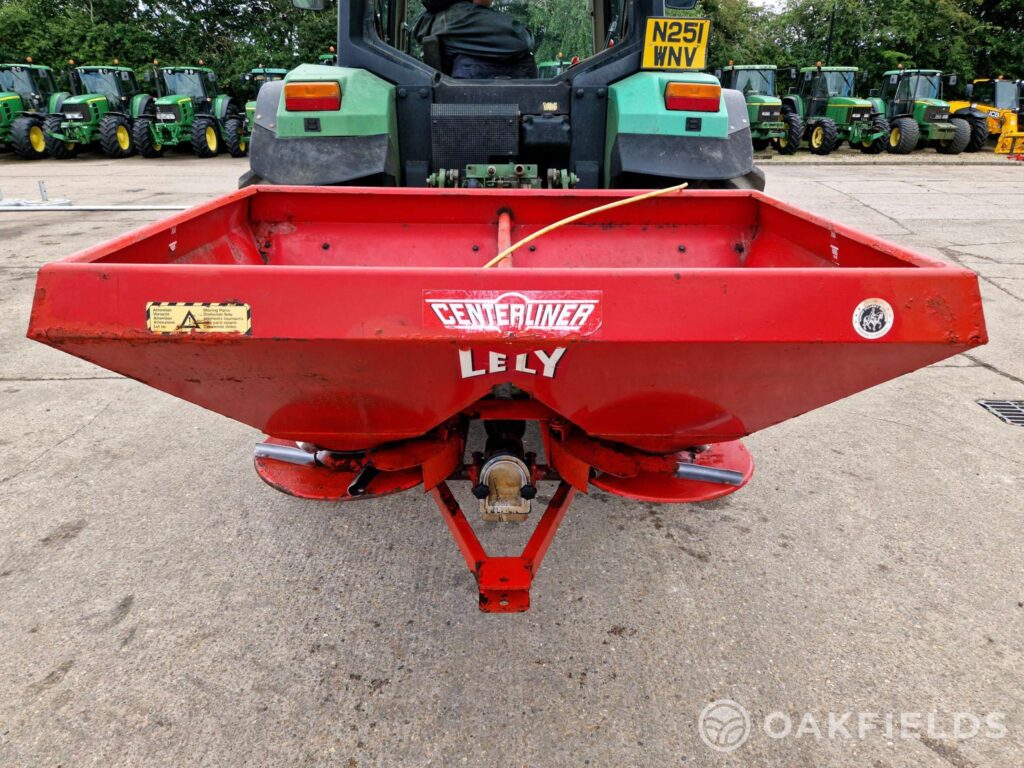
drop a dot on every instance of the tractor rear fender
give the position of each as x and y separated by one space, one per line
141 104
794 102
646 139
878 106
969 113
356 143
221 106
56 101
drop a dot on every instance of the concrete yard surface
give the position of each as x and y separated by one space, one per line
861 601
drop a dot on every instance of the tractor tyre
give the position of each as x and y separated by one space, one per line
235 143
961 138
979 134
116 138
206 140
823 137
28 138
142 138
55 148
760 145
790 143
877 146
903 135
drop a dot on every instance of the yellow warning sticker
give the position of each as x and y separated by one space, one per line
195 317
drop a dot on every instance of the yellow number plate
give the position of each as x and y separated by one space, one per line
676 43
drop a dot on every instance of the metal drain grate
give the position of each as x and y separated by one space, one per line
1010 411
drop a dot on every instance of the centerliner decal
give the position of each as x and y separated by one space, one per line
537 313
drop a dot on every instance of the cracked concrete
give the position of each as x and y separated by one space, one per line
160 606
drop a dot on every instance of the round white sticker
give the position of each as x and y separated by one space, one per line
873 318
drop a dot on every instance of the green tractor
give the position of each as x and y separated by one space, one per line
912 101
328 59
252 81
28 93
189 111
553 68
824 98
637 113
768 124
106 103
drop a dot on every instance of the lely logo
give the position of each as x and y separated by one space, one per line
724 725
514 313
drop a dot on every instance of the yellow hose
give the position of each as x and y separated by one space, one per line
581 215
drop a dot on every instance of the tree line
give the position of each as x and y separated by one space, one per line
968 37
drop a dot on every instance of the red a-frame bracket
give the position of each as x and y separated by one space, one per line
504 582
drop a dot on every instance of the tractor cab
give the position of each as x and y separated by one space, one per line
819 85
254 79
118 84
904 88
636 113
197 83
1000 94
749 79
32 84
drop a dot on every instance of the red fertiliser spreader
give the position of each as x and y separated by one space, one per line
358 329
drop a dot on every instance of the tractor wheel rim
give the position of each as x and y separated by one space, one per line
783 142
124 141
211 139
243 146
37 139
817 137
894 137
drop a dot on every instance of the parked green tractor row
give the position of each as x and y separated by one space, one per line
821 111
108 109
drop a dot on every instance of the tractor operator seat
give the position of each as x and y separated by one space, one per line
468 39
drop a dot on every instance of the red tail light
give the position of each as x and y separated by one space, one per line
312 97
693 97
